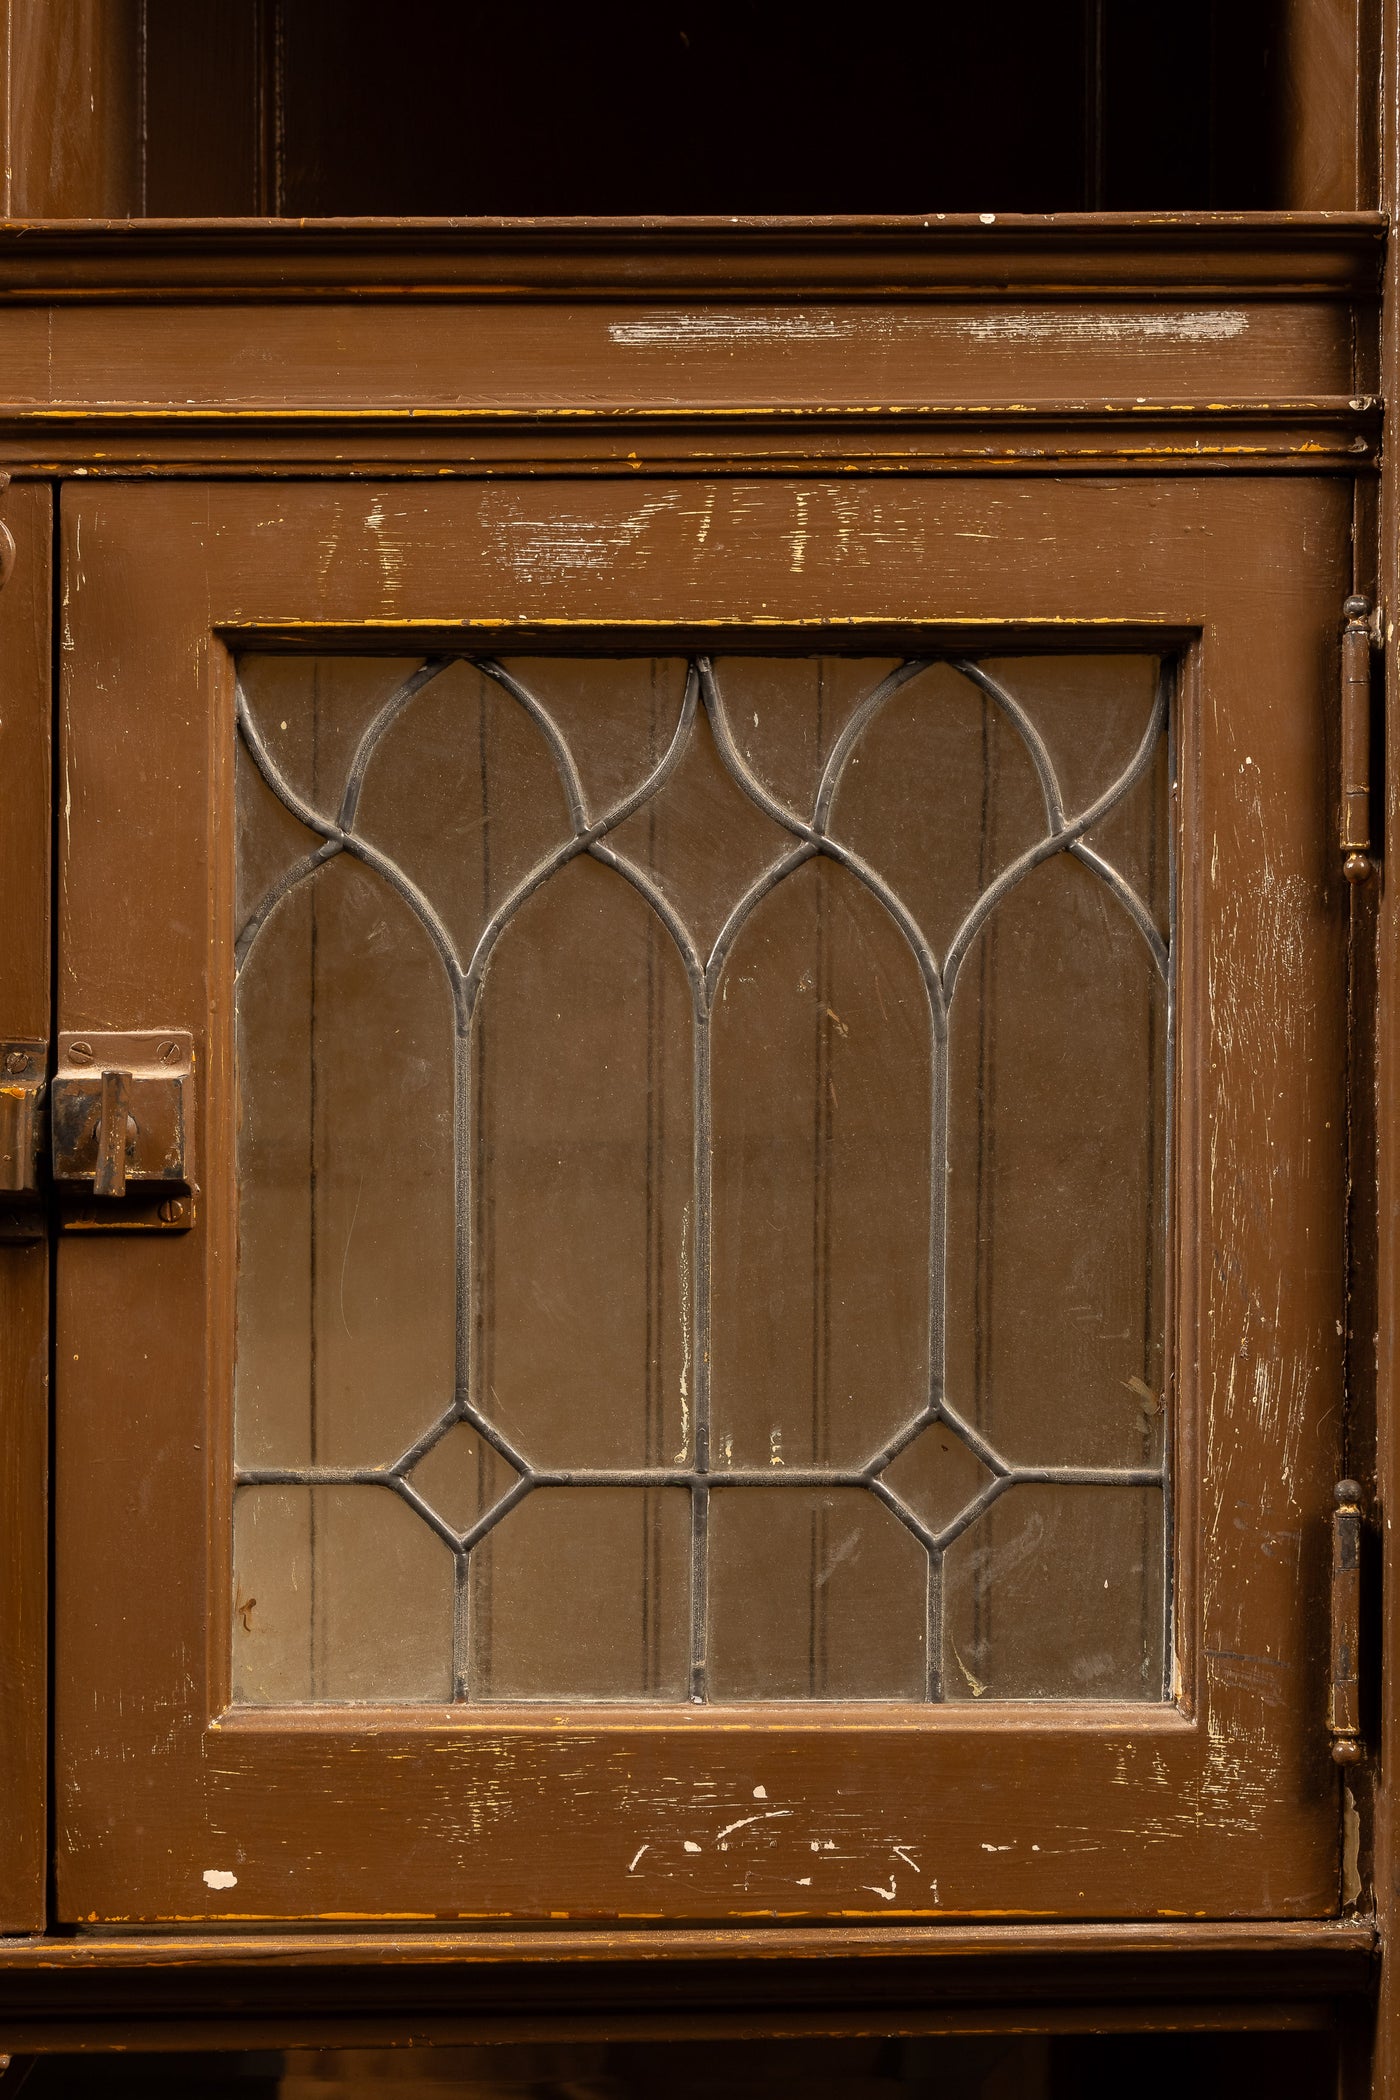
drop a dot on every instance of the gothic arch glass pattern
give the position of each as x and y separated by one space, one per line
734 826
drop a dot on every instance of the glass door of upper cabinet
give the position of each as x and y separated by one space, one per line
750 1323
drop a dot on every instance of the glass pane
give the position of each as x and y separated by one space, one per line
702 1157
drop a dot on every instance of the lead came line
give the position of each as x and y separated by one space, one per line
588 835
700 1492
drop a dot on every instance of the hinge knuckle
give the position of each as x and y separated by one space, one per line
1354 811
1344 1687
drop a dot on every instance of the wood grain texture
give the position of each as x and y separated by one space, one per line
1222 1806
1326 115
25 612
71 107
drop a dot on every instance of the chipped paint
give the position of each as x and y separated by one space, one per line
1351 1848
784 326
767 1816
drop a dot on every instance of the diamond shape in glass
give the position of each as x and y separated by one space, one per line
462 1477
937 1475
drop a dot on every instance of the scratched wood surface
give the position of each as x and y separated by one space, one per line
665 353
765 345
1221 1804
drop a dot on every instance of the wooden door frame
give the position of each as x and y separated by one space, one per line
157 286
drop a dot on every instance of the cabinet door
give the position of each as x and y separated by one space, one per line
759 1330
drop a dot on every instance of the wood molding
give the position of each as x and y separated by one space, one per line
274 1989
1306 253
1326 434
793 347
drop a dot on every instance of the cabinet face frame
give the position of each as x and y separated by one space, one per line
26 712
1222 1804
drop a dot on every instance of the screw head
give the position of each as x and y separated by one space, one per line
172 1210
18 1061
81 1053
169 1053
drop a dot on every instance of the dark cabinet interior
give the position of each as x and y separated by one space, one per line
719 107
331 108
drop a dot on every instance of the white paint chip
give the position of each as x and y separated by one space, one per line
632 1868
776 328
691 1846
219 1878
988 218
768 1815
760 1793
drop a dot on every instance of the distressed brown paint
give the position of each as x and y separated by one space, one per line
1218 1798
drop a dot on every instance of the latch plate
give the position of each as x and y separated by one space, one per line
23 1082
121 1116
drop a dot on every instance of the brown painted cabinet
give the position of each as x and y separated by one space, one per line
696 1123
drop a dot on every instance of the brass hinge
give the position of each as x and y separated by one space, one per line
1344 1688
1361 633
106 1142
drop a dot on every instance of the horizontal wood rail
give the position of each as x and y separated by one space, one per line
1325 434
278 1988
1079 254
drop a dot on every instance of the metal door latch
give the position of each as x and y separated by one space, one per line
121 1112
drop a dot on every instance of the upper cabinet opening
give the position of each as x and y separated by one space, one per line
331 108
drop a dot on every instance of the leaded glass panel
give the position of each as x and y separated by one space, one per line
702 1159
